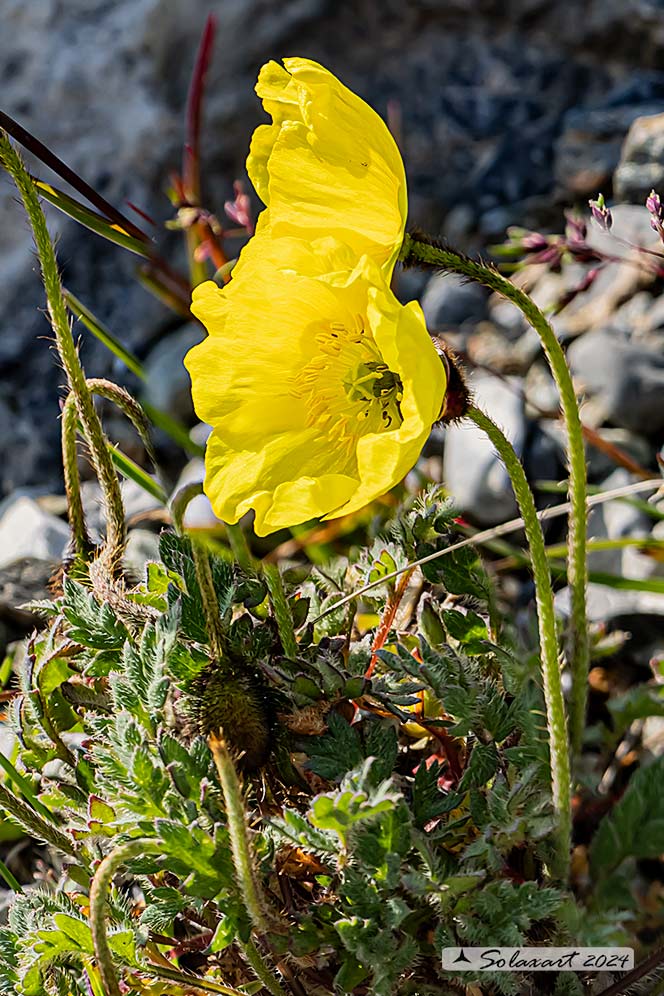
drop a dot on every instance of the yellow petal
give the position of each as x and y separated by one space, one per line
275 378
280 481
327 163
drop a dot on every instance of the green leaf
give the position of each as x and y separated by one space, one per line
460 573
90 219
481 768
162 906
350 975
338 751
294 827
130 469
428 800
76 930
99 810
468 628
352 804
175 551
226 932
92 624
635 826
101 333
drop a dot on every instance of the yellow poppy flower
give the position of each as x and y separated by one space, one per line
320 387
327 163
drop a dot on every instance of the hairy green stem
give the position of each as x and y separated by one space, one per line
209 599
243 859
35 825
81 542
130 407
260 969
179 502
249 890
99 890
553 690
116 536
281 609
416 251
240 547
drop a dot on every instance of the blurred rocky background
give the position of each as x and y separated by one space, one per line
509 111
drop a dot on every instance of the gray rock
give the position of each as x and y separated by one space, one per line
142 546
22 581
168 386
472 471
641 165
27 532
485 87
200 433
540 390
448 302
626 379
600 464
589 147
543 458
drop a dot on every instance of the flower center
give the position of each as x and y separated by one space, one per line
348 388
373 381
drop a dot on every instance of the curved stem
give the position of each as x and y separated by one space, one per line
417 250
130 407
243 858
249 890
179 502
81 541
116 536
240 547
553 690
99 889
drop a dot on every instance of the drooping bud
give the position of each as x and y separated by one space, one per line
601 213
656 212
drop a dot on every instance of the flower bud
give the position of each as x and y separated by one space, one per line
601 213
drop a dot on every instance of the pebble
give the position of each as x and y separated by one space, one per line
28 532
472 470
626 377
641 165
606 604
142 547
448 302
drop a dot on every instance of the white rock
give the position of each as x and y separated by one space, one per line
27 531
